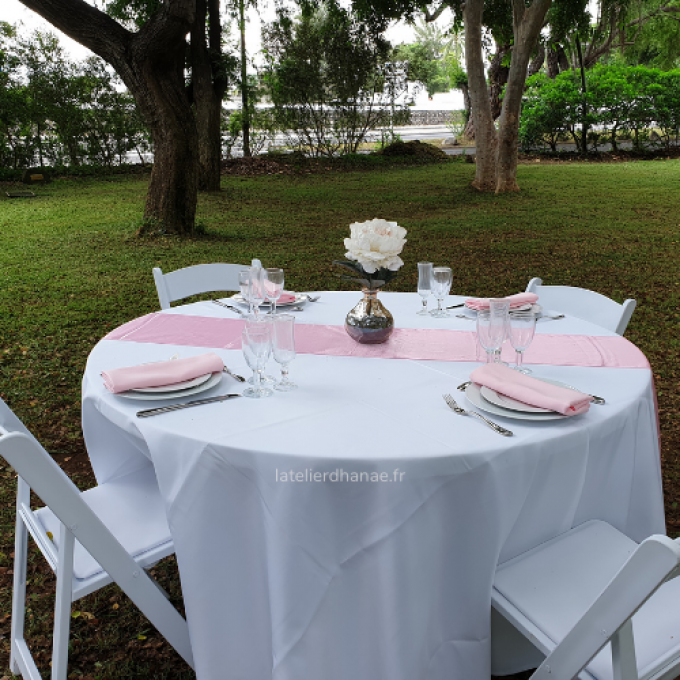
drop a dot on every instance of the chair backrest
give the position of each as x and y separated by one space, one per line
656 560
36 467
200 278
584 304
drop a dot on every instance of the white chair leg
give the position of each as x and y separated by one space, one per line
62 607
19 592
624 663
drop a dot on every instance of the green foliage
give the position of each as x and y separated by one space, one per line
55 111
619 99
550 109
423 67
330 80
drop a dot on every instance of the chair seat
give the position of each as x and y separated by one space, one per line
132 509
553 588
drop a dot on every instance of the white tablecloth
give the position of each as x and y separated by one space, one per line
341 580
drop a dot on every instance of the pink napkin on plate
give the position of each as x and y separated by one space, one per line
531 391
161 373
286 298
517 300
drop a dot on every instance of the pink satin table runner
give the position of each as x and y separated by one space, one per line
404 343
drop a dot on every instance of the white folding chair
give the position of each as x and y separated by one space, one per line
591 587
584 304
197 279
90 539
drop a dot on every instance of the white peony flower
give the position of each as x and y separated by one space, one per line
376 244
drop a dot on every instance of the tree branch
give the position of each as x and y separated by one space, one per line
84 23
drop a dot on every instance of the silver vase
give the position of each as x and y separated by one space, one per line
369 322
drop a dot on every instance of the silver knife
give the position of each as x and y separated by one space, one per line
187 404
462 304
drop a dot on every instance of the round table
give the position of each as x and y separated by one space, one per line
349 530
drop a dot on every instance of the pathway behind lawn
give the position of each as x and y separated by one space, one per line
71 268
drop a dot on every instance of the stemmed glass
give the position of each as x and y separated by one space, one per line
256 342
441 285
500 307
273 286
244 285
490 332
283 344
256 289
521 329
424 284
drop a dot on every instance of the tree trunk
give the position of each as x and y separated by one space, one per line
584 101
527 24
151 64
538 60
245 104
208 89
485 132
552 65
562 59
498 78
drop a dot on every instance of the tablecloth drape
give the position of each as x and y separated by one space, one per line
352 580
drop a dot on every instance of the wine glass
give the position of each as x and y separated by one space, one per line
424 284
521 329
257 290
490 332
441 285
256 342
273 286
283 345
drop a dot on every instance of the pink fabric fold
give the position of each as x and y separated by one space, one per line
517 300
161 373
286 298
531 391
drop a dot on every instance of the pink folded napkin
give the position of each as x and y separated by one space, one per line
518 300
286 298
531 391
161 373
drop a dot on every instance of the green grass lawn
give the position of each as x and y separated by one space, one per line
72 268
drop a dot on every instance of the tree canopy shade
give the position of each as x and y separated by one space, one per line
150 62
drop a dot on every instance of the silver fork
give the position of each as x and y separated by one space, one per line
451 403
313 298
240 378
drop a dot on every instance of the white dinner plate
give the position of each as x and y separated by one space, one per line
474 396
175 387
504 401
213 380
299 299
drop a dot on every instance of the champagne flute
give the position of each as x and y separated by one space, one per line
273 286
283 346
500 308
244 286
257 291
490 333
521 329
424 284
441 285
256 344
